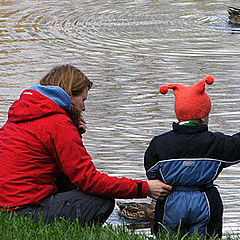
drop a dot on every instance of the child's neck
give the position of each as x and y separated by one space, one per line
188 123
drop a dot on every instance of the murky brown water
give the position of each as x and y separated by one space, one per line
128 49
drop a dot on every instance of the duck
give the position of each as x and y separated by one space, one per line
234 15
137 211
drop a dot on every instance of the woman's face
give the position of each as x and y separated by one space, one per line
79 100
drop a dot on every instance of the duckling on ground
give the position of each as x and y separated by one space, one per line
234 15
142 212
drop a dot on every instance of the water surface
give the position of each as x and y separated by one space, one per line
128 49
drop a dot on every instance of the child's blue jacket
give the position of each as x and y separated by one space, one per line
190 158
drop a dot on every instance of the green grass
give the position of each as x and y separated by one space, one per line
22 228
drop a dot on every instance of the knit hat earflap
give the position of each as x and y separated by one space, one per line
191 102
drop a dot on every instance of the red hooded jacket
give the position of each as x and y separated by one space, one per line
38 142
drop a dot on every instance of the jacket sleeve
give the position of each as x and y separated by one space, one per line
75 162
228 148
150 160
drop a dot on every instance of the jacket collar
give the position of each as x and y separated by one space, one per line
55 93
189 129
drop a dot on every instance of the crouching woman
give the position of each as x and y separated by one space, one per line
45 168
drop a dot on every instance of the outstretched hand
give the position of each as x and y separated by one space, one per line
158 189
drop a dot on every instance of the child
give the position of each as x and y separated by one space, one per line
189 158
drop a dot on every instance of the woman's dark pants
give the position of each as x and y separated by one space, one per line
72 205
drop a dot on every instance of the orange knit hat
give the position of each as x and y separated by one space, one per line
191 102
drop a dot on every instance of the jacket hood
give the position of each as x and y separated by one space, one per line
39 101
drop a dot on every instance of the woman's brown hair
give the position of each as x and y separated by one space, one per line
72 81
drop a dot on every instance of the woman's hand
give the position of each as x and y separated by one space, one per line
158 189
82 127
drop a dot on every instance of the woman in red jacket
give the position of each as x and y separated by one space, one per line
44 166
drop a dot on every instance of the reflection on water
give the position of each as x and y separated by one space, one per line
128 49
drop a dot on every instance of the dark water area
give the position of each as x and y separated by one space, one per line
128 49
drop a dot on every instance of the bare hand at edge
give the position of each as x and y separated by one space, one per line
158 189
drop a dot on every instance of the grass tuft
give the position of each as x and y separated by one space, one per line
13 227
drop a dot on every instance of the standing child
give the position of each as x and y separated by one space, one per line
190 158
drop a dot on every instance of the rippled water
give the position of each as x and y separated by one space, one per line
128 49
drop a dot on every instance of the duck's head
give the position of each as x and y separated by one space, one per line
234 15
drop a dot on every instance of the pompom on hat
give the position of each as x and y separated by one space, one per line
191 102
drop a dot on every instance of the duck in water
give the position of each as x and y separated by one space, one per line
234 15
141 212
